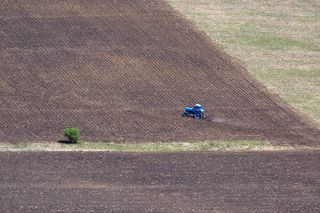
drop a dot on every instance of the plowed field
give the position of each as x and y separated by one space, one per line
123 71
178 182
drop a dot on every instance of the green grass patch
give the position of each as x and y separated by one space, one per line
301 88
270 42
237 145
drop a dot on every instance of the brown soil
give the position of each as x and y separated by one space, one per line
179 182
123 71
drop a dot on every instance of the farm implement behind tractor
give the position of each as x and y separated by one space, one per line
197 112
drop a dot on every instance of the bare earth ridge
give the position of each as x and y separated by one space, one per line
123 71
176 182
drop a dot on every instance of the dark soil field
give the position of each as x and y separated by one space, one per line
123 71
179 182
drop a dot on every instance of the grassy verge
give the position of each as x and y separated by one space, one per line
278 42
242 145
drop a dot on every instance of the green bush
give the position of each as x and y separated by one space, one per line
73 134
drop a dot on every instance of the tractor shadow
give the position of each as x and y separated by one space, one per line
64 142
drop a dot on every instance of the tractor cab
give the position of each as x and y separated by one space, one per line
197 107
197 111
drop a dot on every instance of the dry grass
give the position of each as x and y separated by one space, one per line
278 42
141 147
205 146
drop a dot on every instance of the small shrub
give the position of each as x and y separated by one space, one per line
73 134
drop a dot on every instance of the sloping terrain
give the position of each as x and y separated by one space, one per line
176 182
123 71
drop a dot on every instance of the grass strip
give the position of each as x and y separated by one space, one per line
235 145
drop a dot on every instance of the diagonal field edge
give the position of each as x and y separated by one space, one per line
123 71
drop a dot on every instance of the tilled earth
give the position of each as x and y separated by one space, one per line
177 182
123 71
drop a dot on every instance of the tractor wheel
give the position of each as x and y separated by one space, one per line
185 114
197 115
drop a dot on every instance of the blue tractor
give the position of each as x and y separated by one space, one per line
197 111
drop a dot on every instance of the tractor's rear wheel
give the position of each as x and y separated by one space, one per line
197 115
185 114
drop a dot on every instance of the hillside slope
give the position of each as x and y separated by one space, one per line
123 71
